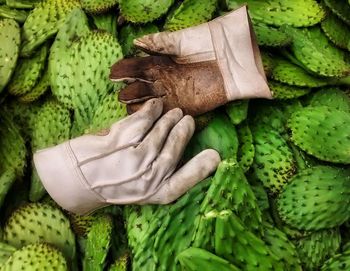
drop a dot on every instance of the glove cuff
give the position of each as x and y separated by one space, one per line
59 172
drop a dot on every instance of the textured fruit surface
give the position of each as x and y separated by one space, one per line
246 150
296 13
38 90
40 223
339 262
190 13
283 91
237 111
193 259
18 15
143 11
341 8
322 132
10 41
97 6
5 252
317 53
316 198
43 22
28 72
22 4
36 257
106 22
331 97
268 35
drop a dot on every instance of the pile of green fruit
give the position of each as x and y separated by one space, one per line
280 198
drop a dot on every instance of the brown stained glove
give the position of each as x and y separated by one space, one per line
200 68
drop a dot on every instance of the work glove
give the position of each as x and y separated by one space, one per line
134 162
197 69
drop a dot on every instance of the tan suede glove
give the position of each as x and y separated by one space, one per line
134 163
199 69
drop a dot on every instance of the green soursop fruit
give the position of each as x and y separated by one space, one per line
235 243
316 198
317 53
121 264
296 13
219 134
289 73
129 32
336 30
98 6
5 252
28 72
273 164
322 132
194 259
51 127
106 22
317 247
143 11
98 243
267 61
36 257
340 262
261 197
43 22
38 90
37 222
190 13
268 35
22 4
246 149
278 243
283 91
341 8
88 60
10 41
237 111
7 178
18 15
332 97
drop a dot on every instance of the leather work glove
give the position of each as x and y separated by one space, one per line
196 69
133 163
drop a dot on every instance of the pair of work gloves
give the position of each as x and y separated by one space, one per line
136 162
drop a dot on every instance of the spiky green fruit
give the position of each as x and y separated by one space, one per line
5 252
190 13
297 13
284 249
267 61
51 127
109 111
341 8
261 197
43 22
15 14
273 164
340 262
10 41
106 22
7 178
332 97
37 222
219 134
246 149
35 257
121 264
268 35
130 32
28 72
88 60
22 4
283 91
193 259
336 30
317 247
316 198
143 11
98 6
237 111
317 53
322 132
286 72
98 243
38 90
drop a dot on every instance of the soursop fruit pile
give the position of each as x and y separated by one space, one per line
279 199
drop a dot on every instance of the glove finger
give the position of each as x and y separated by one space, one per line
175 145
130 69
194 171
133 128
154 141
137 92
